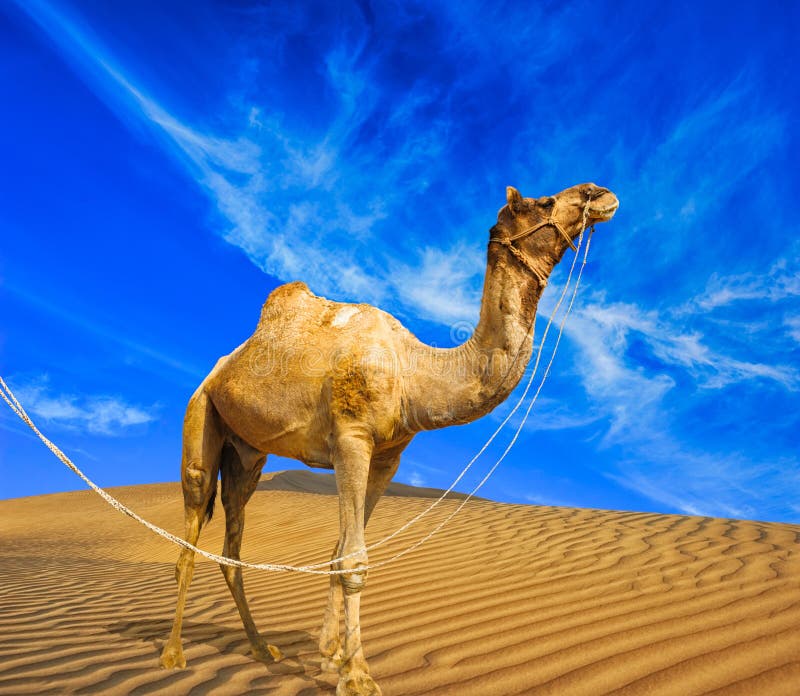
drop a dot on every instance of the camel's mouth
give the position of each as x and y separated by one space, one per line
603 206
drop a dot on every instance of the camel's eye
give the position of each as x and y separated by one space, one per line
547 202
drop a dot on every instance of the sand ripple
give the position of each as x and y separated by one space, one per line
506 600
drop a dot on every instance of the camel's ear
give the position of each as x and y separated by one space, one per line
514 199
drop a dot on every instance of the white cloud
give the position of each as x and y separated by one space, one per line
277 188
793 327
706 156
559 418
780 282
690 498
631 393
606 330
548 414
100 415
678 188
416 479
620 389
705 483
277 192
445 285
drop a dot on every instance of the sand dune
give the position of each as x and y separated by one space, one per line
507 599
306 481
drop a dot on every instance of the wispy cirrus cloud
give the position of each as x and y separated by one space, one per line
415 479
156 361
642 371
446 285
604 329
719 484
792 325
706 157
645 365
314 203
278 189
683 184
548 414
780 282
99 415
366 190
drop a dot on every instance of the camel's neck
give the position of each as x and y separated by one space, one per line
458 385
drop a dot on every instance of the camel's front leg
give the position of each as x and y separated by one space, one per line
352 463
329 642
380 475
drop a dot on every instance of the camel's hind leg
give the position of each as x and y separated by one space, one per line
240 470
202 445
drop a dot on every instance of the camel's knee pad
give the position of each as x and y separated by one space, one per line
354 581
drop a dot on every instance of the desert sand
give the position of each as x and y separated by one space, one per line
506 599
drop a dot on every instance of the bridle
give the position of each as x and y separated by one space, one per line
550 221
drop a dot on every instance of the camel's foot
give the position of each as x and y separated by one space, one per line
266 652
172 657
357 684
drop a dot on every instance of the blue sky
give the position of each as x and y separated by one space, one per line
166 167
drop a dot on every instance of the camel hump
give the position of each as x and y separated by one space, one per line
284 297
287 290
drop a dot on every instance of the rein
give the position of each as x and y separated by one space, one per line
315 568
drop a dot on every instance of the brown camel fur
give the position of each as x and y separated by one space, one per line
346 387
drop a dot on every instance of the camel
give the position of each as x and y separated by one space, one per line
346 387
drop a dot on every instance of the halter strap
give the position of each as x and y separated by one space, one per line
522 257
524 260
544 223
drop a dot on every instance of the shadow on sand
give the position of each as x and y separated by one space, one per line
300 652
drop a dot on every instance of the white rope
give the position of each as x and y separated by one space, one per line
16 407
519 427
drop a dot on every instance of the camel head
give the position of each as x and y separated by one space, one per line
547 226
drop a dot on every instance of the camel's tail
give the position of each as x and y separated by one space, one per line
203 442
228 459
